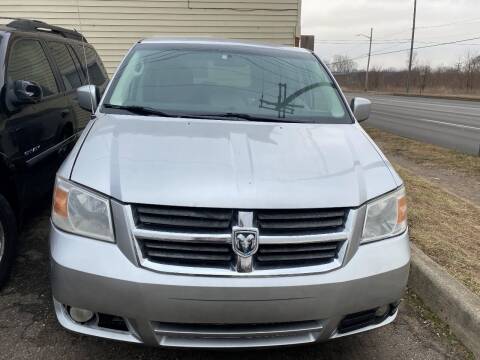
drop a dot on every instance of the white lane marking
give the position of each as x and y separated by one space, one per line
444 123
403 114
412 102
450 124
398 107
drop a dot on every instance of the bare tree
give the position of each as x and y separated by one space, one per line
471 68
424 74
376 77
460 77
342 64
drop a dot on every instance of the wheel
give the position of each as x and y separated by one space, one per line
8 238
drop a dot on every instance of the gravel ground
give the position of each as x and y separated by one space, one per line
29 330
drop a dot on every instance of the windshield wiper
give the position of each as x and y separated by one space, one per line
233 115
140 110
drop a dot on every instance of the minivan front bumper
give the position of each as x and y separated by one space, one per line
210 311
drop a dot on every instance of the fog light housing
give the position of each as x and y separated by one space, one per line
382 311
81 316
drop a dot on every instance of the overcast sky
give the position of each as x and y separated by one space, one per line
335 24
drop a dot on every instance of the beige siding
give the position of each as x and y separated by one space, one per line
112 26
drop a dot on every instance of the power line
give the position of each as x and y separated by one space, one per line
429 46
380 43
401 40
443 36
465 21
358 41
415 48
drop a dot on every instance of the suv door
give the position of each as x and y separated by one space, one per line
34 127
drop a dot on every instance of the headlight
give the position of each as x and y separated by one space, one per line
79 211
386 216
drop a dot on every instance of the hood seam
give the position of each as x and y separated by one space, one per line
94 120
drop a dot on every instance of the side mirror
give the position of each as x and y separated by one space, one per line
26 92
361 108
88 97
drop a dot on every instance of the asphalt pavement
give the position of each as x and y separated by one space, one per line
452 124
29 330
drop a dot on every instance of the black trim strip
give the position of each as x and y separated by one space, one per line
34 160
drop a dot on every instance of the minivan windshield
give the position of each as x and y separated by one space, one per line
225 81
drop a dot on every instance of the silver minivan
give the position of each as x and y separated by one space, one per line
224 195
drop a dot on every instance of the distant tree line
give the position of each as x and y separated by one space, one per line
461 78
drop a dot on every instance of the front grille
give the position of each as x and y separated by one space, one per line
183 219
237 335
299 222
214 254
201 237
294 255
188 253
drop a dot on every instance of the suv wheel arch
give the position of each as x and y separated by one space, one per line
8 239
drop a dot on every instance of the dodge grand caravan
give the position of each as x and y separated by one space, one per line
225 196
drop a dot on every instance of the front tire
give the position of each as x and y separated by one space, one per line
8 238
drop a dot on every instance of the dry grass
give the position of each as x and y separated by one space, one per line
445 227
426 155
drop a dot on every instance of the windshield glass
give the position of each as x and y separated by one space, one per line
266 83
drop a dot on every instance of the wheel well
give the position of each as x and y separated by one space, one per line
8 189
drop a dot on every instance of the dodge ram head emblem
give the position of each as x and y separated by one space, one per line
245 241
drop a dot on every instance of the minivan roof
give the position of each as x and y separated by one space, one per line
217 41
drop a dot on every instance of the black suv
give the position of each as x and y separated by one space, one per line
41 66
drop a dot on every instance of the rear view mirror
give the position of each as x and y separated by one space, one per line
361 108
88 97
26 92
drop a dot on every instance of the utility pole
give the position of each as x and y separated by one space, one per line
368 62
369 55
411 46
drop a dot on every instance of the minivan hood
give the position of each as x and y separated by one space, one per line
231 164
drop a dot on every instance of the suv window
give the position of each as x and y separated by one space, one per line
96 71
28 62
65 63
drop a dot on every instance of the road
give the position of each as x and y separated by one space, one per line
29 330
453 124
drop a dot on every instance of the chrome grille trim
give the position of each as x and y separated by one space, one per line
264 239
236 330
299 239
178 236
353 221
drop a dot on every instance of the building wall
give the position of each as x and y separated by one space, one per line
112 26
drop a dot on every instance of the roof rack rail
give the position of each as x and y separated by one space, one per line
36 25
